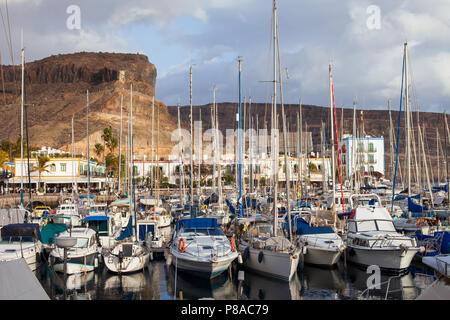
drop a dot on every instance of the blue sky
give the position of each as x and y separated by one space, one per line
210 34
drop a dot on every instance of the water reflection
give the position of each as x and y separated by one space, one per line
321 283
157 282
219 288
258 287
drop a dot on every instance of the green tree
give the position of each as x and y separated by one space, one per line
41 167
99 149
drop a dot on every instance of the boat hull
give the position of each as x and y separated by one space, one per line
321 256
205 269
396 260
279 265
78 264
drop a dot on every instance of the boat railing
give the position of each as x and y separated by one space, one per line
442 267
365 293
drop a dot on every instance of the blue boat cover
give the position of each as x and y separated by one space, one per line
440 188
303 228
197 223
128 232
414 207
21 230
95 218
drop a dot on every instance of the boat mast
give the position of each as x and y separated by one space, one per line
354 146
158 172
73 182
214 140
191 178
332 146
275 124
120 142
152 183
446 163
408 137
21 125
241 213
88 157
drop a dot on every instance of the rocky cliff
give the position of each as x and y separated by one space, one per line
56 89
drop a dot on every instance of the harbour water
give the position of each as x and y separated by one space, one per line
157 282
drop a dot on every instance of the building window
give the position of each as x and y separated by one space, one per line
52 167
371 147
371 168
63 167
371 158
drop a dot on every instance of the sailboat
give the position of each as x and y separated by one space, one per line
262 249
129 254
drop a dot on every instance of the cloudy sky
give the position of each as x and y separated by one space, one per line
366 52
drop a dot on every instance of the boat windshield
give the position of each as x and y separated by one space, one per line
205 231
375 225
81 243
9 240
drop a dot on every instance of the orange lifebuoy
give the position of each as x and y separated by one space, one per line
233 244
182 245
420 222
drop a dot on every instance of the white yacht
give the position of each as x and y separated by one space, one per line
372 238
22 240
200 247
322 244
82 257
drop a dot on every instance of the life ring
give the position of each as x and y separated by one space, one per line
233 244
420 222
182 245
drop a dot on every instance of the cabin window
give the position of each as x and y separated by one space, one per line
352 227
385 225
364 226
82 243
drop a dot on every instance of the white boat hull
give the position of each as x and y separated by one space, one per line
322 256
129 264
389 259
204 268
280 265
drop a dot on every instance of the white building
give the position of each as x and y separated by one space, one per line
59 171
363 154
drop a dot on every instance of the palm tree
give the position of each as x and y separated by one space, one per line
99 149
41 167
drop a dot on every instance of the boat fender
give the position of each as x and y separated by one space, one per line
233 244
245 254
96 262
38 257
120 256
351 252
240 259
260 256
261 294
